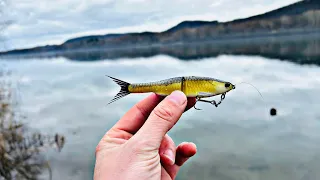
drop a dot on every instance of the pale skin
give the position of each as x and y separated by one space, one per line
138 147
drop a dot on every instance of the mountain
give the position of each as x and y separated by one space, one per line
301 17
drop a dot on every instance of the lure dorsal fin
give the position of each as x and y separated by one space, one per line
123 91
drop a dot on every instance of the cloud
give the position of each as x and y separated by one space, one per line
47 21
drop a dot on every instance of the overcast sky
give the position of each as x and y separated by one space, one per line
54 21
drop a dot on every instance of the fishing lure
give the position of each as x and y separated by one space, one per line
191 86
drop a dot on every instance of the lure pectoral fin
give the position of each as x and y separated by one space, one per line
123 91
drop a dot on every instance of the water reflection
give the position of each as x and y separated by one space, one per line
239 139
301 49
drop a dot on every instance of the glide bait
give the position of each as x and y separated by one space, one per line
191 86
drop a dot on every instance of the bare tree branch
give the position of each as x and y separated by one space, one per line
21 150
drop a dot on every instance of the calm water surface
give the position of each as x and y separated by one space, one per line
237 140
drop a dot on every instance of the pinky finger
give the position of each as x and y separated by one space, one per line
184 152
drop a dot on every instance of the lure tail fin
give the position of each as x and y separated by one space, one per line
123 91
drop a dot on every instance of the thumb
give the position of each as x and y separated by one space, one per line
162 119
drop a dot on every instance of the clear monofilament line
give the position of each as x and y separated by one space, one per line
258 92
253 87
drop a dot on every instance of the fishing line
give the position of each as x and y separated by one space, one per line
253 87
258 92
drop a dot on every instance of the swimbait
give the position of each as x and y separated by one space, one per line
191 86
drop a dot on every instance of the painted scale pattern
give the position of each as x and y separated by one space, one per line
192 86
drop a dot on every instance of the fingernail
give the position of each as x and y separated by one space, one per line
177 97
169 154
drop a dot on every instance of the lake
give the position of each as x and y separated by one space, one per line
237 140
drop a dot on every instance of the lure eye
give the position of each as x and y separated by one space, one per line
227 85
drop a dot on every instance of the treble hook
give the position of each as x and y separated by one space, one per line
213 102
197 99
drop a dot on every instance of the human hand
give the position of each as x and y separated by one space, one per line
137 147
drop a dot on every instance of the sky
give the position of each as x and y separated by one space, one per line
50 22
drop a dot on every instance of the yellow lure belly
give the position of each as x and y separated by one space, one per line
191 86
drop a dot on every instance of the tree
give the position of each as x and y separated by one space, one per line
285 21
312 17
20 150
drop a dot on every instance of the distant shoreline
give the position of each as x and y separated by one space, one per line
280 35
297 48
